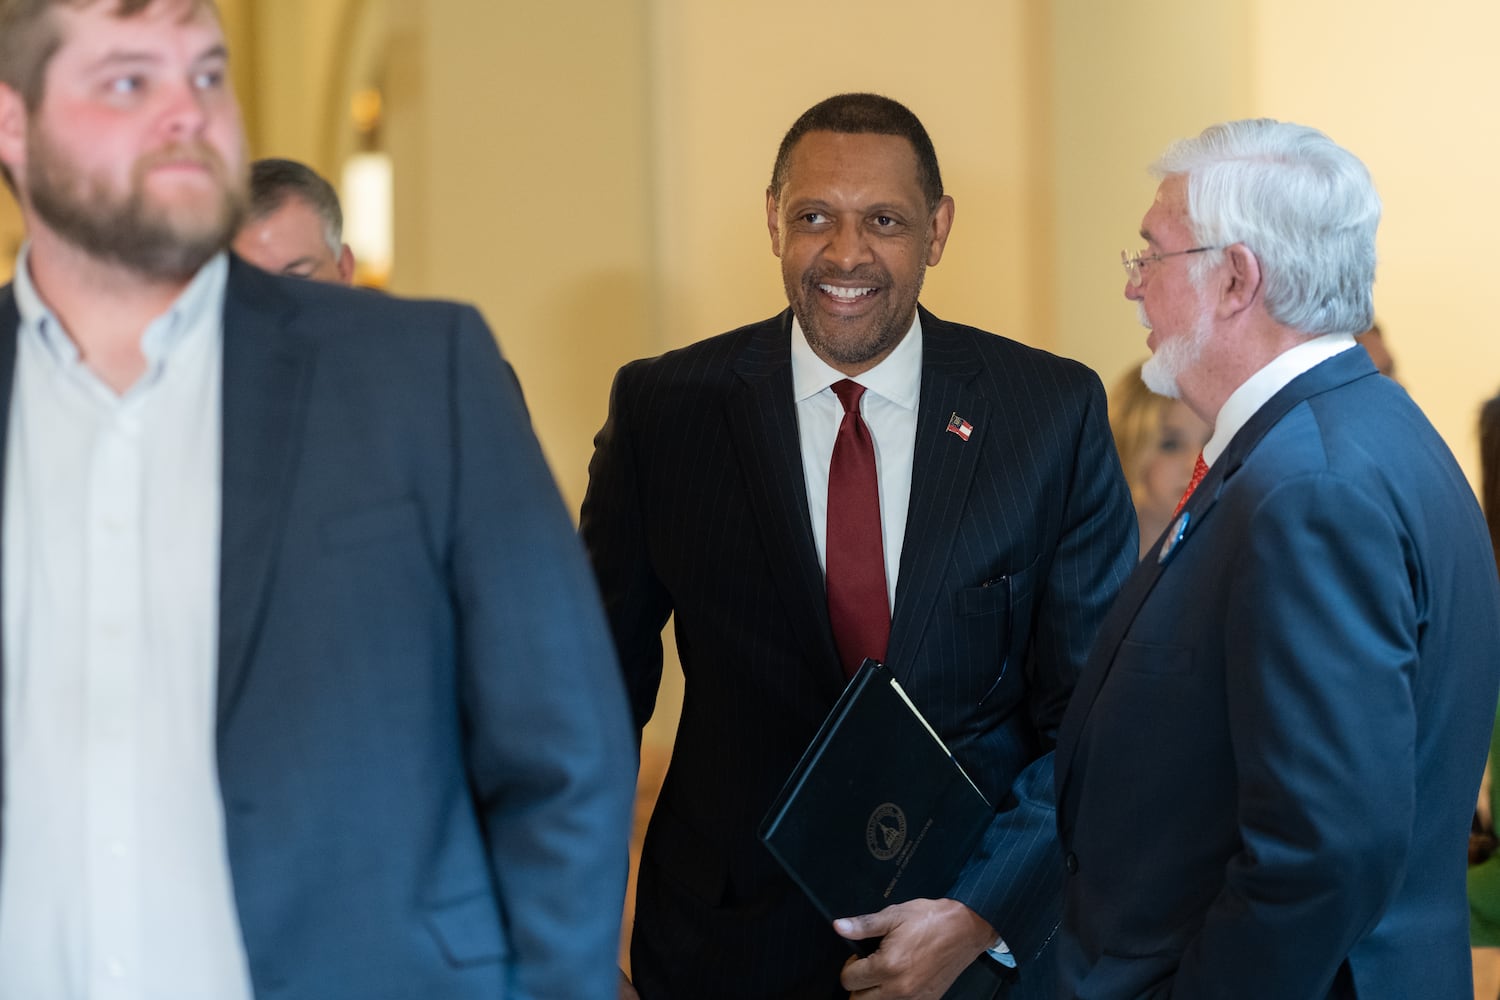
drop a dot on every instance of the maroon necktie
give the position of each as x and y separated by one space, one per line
858 607
1200 469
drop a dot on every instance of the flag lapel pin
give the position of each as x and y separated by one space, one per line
958 425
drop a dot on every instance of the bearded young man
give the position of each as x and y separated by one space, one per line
991 531
305 692
1267 773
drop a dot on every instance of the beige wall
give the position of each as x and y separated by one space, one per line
289 58
592 173
536 202
1125 84
1411 89
1407 87
520 142
727 81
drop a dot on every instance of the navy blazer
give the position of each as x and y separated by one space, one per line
1016 540
1268 770
423 747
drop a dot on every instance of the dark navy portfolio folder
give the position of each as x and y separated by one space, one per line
878 812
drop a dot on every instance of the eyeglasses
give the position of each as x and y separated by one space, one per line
1133 262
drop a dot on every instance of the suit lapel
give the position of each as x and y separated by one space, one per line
1117 622
943 466
1336 371
762 418
267 373
264 399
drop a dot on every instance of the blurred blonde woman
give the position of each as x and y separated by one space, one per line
1159 440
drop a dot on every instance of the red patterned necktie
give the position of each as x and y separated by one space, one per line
1200 469
858 607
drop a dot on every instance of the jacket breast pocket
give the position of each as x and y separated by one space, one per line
378 581
371 525
1153 659
987 618
989 598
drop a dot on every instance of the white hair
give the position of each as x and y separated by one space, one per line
1305 206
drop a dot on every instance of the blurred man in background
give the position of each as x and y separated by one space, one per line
295 225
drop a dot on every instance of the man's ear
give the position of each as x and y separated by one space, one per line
942 225
13 127
773 221
1242 280
346 265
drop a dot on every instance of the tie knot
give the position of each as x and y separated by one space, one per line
1200 470
848 393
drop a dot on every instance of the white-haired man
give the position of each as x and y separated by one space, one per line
1267 771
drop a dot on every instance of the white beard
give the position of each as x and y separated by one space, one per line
1166 366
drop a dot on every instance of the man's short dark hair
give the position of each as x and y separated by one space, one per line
273 181
864 114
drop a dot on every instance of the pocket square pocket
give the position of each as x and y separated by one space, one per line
1153 660
357 528
990 597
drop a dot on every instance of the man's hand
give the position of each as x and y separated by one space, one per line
928 942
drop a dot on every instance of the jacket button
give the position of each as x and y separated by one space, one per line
1072 862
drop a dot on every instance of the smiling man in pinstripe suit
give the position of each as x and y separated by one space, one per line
1005 529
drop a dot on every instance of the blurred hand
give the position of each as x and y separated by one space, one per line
927 943
1482 807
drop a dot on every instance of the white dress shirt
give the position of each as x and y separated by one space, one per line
116 882
1257 390
889 409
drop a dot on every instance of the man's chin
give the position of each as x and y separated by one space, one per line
192 217
179 242
171 254
1159 377
845 344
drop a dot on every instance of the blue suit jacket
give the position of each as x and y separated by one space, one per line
423 746
1016 541
1268 770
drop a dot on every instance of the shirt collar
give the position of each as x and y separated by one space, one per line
1257 390
200 303
898 377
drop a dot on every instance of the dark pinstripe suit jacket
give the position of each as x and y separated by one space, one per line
1016 542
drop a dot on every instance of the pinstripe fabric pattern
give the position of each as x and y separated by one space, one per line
1016 542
